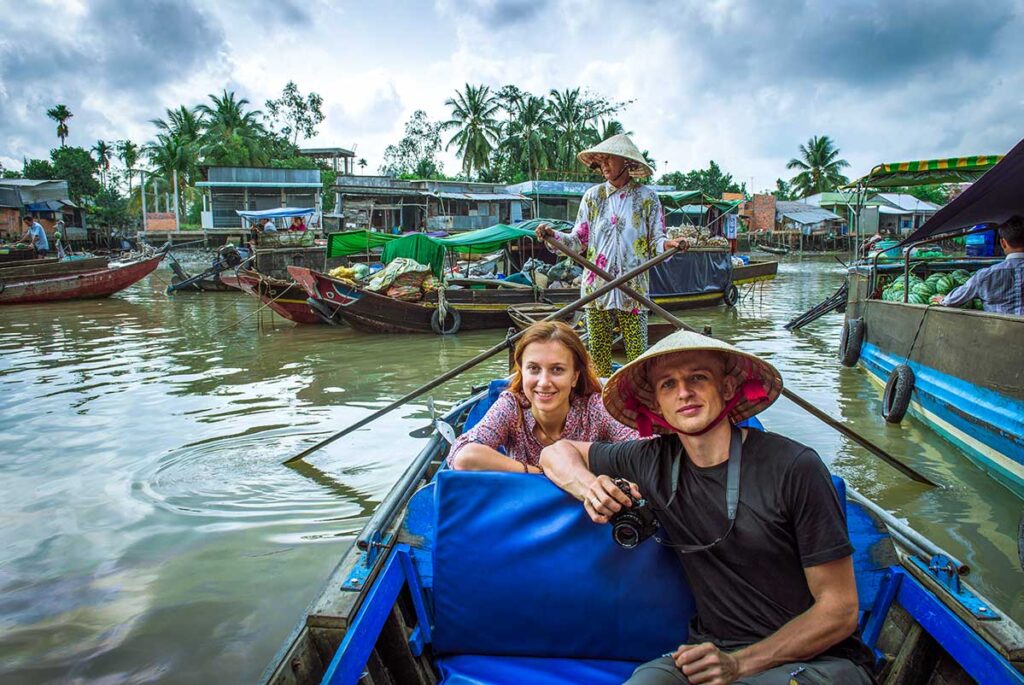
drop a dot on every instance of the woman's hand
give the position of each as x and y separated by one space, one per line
676 242
544 231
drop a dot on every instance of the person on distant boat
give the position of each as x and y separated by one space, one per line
297 224
764 546
268 226
620 224
554 394
1000 286
36 236
254 234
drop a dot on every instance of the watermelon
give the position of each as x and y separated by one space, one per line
917 298
977 304
944 285
926 289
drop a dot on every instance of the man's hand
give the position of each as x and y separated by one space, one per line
676 242
936 299
543 232
603 499
705 664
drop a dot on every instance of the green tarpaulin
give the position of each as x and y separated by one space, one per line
677 199
928 171
356 242
427 250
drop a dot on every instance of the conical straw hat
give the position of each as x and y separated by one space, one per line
629 385
620 146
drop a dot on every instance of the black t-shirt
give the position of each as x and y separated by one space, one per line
789 518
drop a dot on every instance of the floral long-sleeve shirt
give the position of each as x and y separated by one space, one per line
502 427
620 228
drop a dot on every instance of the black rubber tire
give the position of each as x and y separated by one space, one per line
437 325
850 341
731 296
896 397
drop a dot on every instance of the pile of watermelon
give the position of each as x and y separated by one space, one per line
920 291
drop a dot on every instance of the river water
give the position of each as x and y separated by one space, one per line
149 533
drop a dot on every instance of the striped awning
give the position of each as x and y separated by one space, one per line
928 171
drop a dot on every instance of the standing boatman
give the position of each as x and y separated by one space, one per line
620 224
36 236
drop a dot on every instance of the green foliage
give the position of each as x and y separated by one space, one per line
232 135
711 181
820 167
38 169
936 193
415 155
8 173
60 114
327 178
294 113
76 166
783 191
476 127
109 208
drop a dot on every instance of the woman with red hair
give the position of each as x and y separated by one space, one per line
554 395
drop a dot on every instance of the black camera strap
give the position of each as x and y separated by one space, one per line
732 493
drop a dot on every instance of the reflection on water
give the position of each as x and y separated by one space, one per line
150 533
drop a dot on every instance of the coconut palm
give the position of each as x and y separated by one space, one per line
571 125
102 152
527 134
478 130
60 114
233 135
170 153
128 153
612 128
362 164
820 167
185 123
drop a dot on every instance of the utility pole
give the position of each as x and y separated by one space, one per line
177 218
142 189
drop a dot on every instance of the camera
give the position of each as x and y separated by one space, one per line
632 526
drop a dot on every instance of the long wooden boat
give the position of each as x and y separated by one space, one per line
91 284
958 371
34 269
286 298
500 578
755 272
772 249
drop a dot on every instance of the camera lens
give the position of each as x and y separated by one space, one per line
626 536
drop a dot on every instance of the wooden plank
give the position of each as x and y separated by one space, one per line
915 660
44 270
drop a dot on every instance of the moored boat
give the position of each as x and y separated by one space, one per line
286 298
35 269
100 282
960 372
424 594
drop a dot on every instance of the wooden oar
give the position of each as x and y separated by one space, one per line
484 356
788 394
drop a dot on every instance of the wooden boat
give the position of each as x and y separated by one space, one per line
772 249
754 272
955 370
16 254
286 298
36 269
99 282
433 591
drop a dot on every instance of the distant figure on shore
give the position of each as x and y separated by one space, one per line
268 226
36 236
1000 286
298 224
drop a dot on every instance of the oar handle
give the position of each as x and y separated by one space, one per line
484 356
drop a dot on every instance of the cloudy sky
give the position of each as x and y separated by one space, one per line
743 83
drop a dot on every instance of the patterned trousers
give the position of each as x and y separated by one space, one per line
601 331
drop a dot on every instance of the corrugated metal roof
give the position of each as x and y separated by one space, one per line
481 197
9 198
807 217
908 203
253 184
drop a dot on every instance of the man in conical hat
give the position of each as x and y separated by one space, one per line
620 225
753 516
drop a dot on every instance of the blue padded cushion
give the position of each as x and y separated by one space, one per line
520 570
495 388
511 670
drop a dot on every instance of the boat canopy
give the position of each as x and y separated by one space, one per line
348 243
278 213
928 171
426 249
677 199
993 199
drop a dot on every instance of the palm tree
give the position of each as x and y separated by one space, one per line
473 114
183 122
612 128
232 134
128 153
170 153
820 167
362 163
102 152
571 125
528 129
60 114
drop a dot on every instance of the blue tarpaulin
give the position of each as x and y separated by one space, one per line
279 213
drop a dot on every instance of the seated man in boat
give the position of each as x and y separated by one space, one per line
764 547
36 236
268 226
1001 286
554 394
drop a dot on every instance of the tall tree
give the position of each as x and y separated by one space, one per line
473 115
76 166
233 135
295 113
415 155
128 153
526 136
711 181
570 126
184 122
102 152
60 114
362 163
820 167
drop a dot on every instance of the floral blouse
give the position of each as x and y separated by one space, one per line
501 427
620 229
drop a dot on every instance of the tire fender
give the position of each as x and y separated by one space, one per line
850 341
896 396
731 296
444 327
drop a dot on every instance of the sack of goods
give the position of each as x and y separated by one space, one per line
693 236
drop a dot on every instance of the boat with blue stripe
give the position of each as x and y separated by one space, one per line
498 578
960 372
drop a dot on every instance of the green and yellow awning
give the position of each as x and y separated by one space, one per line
928 171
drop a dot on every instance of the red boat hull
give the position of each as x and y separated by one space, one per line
92 284
286 298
